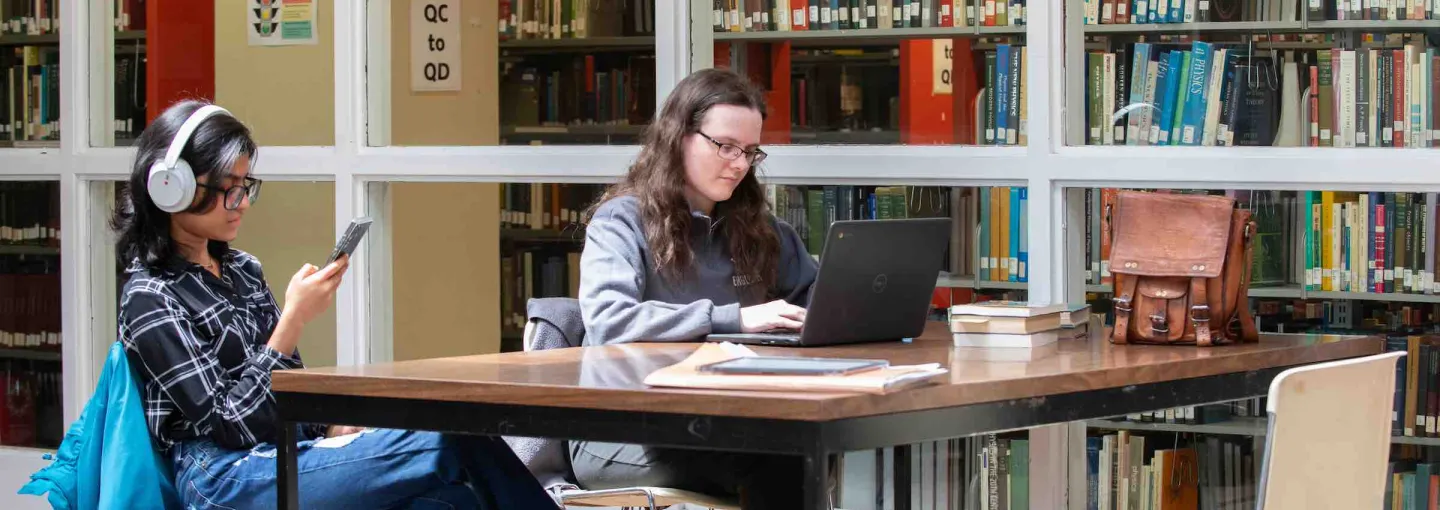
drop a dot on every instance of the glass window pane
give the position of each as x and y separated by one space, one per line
514 72
1321 264
289 225
1223 73
31 413
293 224
881 71
29 75
272 65
446 269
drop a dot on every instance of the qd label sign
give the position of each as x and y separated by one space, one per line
435 45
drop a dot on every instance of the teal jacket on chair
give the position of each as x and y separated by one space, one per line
106 459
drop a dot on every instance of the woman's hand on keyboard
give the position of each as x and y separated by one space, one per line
775 315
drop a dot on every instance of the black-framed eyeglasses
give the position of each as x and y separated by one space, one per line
731 151
237 192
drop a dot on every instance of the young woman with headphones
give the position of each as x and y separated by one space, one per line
203 332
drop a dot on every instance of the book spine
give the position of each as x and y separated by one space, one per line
1002 93
1139 66
1182 85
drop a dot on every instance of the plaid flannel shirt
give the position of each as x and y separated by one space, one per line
198 343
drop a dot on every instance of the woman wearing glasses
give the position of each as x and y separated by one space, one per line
203 332
683 246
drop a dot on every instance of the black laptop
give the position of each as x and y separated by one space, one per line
875 283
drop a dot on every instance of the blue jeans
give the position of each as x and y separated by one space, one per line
375 469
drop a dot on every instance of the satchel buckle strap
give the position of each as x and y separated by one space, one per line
1157 324
1121 333
1122 304
1200 313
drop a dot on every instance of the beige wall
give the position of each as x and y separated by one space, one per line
468 117
446 259
286 94
292 224
446 235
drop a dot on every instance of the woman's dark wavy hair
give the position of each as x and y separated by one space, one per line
213 149
657 180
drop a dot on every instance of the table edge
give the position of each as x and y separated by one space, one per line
827 407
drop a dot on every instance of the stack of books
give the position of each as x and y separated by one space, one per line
1012 324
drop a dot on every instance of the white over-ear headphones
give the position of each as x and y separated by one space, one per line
172 182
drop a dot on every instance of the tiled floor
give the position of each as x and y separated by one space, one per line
16 465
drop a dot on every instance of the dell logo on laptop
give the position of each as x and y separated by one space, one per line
879 284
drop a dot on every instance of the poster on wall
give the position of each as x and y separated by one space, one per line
281 22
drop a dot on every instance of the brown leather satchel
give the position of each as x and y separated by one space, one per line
1181 265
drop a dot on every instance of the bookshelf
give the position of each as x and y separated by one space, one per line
1356 77
30 354
28 39
581 44
1257 76
30 77
849 36
30 315
1250 427
28 249
541 235
128 96
575 72
862 73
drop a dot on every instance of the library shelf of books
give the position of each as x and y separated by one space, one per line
834 73
30 78
30 382
1277 74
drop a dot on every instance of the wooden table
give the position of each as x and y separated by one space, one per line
596 393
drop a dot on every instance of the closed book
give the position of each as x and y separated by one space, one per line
1005 308
1002 340
966 323
1075 316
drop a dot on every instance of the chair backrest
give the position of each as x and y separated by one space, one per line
553 323
1329 435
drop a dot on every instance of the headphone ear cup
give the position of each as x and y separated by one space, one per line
172 189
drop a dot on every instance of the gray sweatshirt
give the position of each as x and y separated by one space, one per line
623 298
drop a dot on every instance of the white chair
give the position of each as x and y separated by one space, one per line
1329 435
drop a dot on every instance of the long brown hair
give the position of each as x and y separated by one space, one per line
657 180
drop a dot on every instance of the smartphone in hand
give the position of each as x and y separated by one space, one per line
351 240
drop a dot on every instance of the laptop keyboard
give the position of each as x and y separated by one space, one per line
775 335
765 338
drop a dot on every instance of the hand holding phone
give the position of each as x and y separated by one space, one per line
351 239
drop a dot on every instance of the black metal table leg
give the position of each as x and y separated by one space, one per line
817 480
902 476
287 483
